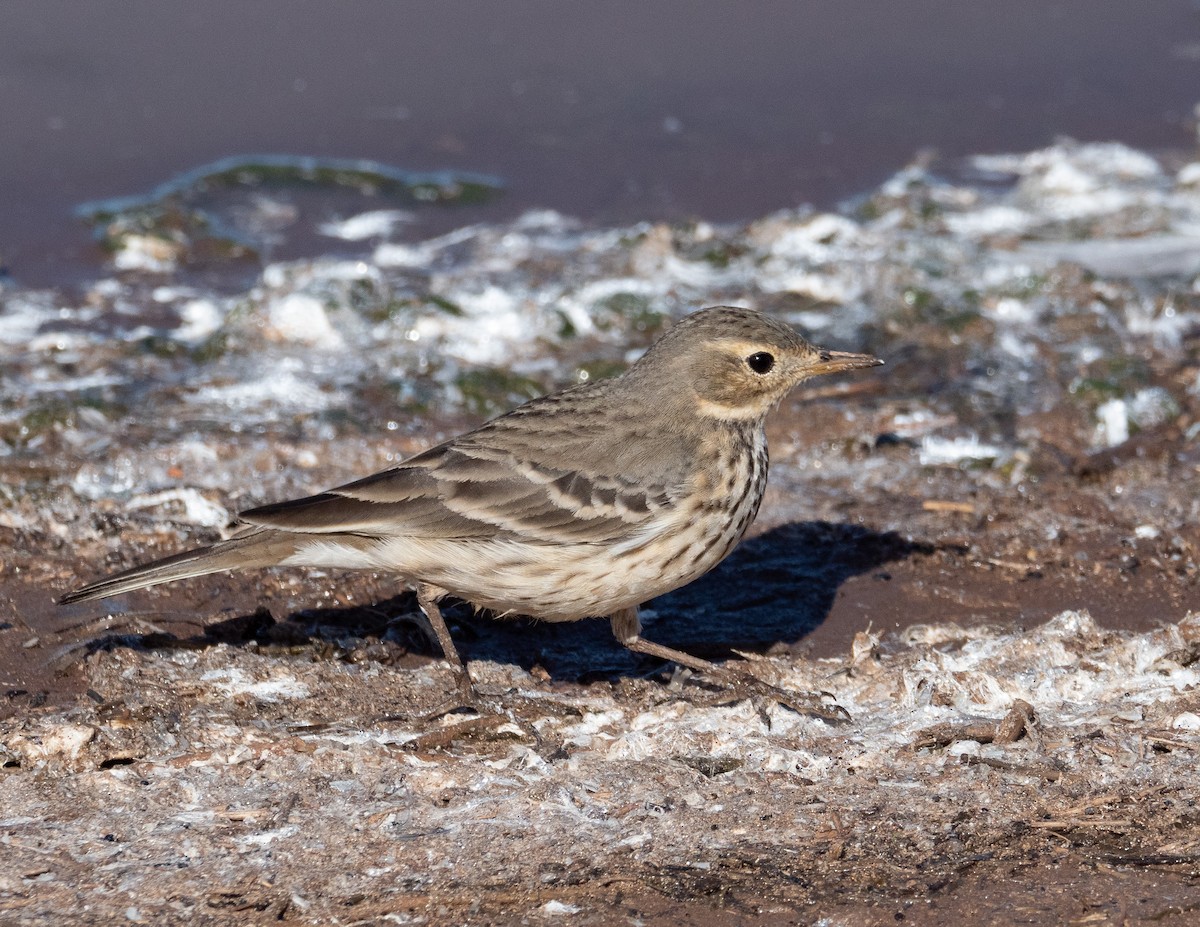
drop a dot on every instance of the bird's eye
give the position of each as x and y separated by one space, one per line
760 362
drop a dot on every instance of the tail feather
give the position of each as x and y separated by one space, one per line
257 549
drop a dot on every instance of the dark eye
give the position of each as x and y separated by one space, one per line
760 362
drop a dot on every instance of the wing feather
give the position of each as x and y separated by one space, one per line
473 489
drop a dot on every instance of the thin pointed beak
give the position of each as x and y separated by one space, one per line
834 361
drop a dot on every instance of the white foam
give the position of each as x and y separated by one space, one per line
378 223
1145 256
146 253
235 681
201 317
283 388
494 321
938 451
824 237
22 316
197 510
302 318
1010 310
1112 423
992 220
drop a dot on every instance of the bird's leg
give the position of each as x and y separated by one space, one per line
468 697
427 596
627 628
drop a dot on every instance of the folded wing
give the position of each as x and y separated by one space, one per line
473 489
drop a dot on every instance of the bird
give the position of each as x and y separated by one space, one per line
585 503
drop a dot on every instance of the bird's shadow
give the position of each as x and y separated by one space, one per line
774 589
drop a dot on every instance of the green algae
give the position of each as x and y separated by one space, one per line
490 390
180 214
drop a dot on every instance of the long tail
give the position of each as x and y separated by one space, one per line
256 549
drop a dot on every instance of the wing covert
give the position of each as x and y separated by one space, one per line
473 490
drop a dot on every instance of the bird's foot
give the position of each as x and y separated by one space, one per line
492 710
464 697
735 686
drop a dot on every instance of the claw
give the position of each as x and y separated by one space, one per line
810 704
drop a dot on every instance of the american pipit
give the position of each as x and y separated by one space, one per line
585 503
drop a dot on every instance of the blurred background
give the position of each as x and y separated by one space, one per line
615 113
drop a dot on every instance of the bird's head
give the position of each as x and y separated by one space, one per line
737 363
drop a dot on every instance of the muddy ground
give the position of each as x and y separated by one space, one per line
985 554
268 748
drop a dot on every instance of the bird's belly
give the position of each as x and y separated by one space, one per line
562 583
554 582
567 582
